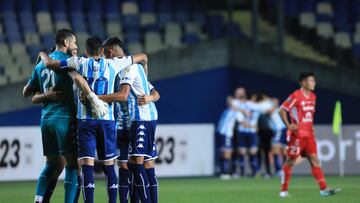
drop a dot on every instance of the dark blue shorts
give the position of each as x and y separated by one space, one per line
226 143
122 144
142 139
247 140
280 137
99 135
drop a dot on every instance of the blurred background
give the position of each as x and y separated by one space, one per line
199 52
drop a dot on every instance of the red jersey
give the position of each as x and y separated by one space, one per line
301 109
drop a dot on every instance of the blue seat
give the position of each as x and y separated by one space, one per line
291 8
59 16
133 36
41 5
164 18
111 6
57 6
190 38
151 27
215 26
164 6
78 26
234 31
323 18
147 6
33 50
7 6
307 5
356 50
47 41
112 17
182 10
76 6
131 22
24 5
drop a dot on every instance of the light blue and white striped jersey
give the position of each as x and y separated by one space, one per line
135 76
227 122
100 75
122 112
278 124
256 109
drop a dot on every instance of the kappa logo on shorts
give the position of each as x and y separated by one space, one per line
141 139
142 127
140 145
141 133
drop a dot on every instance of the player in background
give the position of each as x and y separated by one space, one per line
58 126
279 140
142 150
265 133
96 133
225 129
300 105
113 48
247 132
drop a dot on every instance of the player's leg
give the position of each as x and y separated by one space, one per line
150 162
276 151
124 174
292 153
54 164
226 155
150 171
241 149
106 150
67 142
48 179
137 151
87 145
253 153
311 154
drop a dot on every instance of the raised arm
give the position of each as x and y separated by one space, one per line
120 96
50 63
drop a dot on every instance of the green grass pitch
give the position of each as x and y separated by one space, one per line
211 190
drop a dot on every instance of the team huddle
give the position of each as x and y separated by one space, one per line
99 106
261 123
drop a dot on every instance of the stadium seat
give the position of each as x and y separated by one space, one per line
3 80
81 41
47 41
62 24
190 38
31 38
129 8
147 19
133 36
59 17
147 6
173 34
135 47
43 20
153 42
113 29
325 30
33 51
17 49
324 8
215 25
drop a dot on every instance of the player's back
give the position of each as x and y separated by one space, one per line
43 79
136 77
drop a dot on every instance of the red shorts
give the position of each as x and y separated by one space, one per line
303 146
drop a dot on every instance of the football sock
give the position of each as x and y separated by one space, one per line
89 184
225 166
142 183
319 176
253 164
70 184
123 185
153 184
277 162
285 179
43 181
242 165
111 180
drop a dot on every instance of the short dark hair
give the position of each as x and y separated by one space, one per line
93 45
305 75
112 41
61 35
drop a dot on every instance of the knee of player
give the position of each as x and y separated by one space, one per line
149 164
123 165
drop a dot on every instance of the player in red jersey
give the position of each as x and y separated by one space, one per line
300 105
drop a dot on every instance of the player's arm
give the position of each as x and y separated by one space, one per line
145 99
120 96
28 91
283 112
51 95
